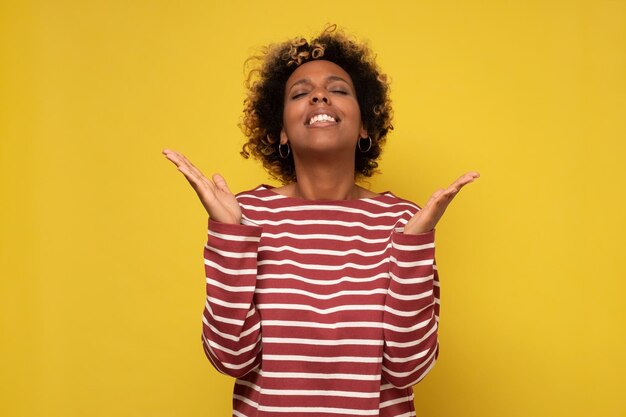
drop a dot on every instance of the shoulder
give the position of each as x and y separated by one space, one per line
389 199
258 196
259 190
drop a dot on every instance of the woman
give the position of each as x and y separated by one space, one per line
322 296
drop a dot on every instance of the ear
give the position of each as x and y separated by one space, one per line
363 131
283 137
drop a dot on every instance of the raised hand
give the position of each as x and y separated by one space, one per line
426 219
215 196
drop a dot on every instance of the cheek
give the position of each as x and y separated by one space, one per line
358 109
291 116
285 121
354 109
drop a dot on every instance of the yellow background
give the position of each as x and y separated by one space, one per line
101 238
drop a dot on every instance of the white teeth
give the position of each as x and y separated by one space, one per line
321 118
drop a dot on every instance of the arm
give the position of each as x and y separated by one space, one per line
231 331
411 314
411 310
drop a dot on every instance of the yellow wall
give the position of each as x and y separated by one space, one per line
101 239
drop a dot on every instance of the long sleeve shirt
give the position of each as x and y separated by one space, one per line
321 308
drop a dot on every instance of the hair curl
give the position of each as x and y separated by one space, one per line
263 106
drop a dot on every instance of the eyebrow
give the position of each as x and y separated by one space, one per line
330 78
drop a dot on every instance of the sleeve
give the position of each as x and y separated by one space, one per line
411 313
231 330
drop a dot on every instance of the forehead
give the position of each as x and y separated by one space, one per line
318 70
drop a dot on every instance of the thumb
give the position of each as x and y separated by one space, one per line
220 183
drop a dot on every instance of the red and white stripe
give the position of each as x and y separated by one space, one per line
321 308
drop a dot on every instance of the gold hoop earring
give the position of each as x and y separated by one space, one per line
280 150
369 145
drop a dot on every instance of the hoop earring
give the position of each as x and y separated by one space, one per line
369 145
280 150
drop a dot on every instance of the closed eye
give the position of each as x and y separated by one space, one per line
298 95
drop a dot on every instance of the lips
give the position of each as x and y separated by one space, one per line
320 117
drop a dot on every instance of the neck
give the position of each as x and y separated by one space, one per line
325 182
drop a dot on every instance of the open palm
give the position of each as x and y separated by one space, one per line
426 219
214 194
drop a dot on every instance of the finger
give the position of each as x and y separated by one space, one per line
465 179
443 199
193 179
182 160
190 171
177 158
172 156
220 183
198 175
193 176
434 197
461 182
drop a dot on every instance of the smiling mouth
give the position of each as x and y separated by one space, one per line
321 119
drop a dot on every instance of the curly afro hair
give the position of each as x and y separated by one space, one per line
263 106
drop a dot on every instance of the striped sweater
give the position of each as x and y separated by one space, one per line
321 308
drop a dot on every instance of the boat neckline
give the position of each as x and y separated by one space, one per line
271 189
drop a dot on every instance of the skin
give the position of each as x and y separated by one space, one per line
323 152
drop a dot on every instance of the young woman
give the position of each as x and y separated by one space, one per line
322 296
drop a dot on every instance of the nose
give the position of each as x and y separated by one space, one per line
320 96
